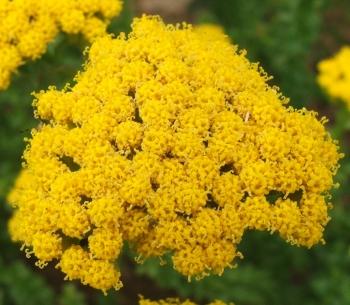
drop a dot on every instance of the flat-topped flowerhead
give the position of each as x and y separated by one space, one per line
175 144
27 27
334 75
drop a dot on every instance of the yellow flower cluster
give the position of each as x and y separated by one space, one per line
175 144
211 31
176 302
27 26
334 75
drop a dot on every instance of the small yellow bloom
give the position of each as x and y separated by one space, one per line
172 301
334 75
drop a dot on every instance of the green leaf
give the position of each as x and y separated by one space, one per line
70 295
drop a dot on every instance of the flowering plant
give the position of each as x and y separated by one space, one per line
27 27
175 144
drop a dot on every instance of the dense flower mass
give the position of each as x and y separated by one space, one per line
176 302
211 31
334 75
27 26
175 144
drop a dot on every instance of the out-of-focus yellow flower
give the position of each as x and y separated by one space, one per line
27 27
211 31
334 75
175 144
176 302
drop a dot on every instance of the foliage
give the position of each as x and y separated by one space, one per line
23 286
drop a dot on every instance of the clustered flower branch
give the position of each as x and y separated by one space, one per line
28 26
175 144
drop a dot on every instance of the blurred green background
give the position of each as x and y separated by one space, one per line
288 38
